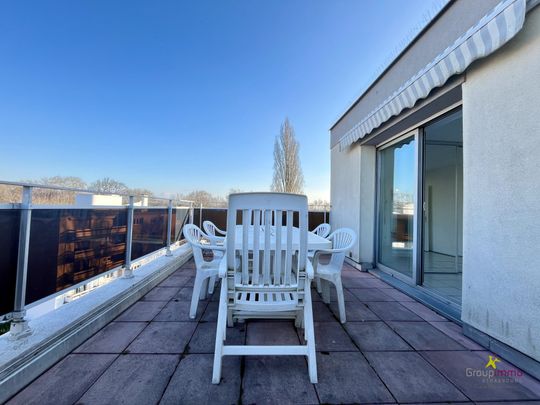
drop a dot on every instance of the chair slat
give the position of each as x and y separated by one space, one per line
256 251
303 227
267 251
289 252
245 246
278 254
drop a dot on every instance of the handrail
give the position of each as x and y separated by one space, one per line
85 190
19 325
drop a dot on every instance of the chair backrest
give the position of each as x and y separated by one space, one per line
343 240
323 230
211 229
266 231
194 235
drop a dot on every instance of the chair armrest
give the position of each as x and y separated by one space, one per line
210 246
214 240
221 248
325 252
309 270
317 254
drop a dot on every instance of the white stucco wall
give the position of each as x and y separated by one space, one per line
501 241
352 196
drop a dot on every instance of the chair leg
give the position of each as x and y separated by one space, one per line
197 286
297 320
319 285
222 319
211 284
204 289
326 291
310 338
340 298
230 322
225 327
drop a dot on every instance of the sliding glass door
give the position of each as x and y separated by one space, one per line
397 190
420 207
442 245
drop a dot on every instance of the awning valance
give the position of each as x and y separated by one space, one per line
484 38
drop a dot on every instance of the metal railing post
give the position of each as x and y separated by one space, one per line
19 326
200 216
169 229
191 213
128 273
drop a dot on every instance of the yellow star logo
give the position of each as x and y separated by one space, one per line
492 362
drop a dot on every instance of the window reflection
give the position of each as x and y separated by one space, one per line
396 206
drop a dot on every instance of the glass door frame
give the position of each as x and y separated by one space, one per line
444 304
416 277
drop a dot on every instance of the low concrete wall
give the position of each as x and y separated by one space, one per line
57 333
501 241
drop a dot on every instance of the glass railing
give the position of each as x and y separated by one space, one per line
9 241
47 250
70 246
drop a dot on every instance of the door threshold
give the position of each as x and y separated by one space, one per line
443 307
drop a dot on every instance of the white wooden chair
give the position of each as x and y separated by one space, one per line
342 241
206 270
213 231
272 282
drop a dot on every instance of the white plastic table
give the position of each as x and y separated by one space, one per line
314 242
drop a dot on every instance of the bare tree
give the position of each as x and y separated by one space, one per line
319 205
288 176
140 191
12 194
48 196
108 185
64 181
204 198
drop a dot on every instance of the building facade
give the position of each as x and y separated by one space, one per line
437 167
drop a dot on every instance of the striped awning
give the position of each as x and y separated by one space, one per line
484 38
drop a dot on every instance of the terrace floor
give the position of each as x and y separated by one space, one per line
392 349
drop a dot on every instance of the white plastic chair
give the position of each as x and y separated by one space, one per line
323 230
342 241
213 231
206 270
271 282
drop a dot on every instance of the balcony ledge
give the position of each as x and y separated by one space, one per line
57 333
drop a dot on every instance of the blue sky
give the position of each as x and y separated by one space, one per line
175 96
